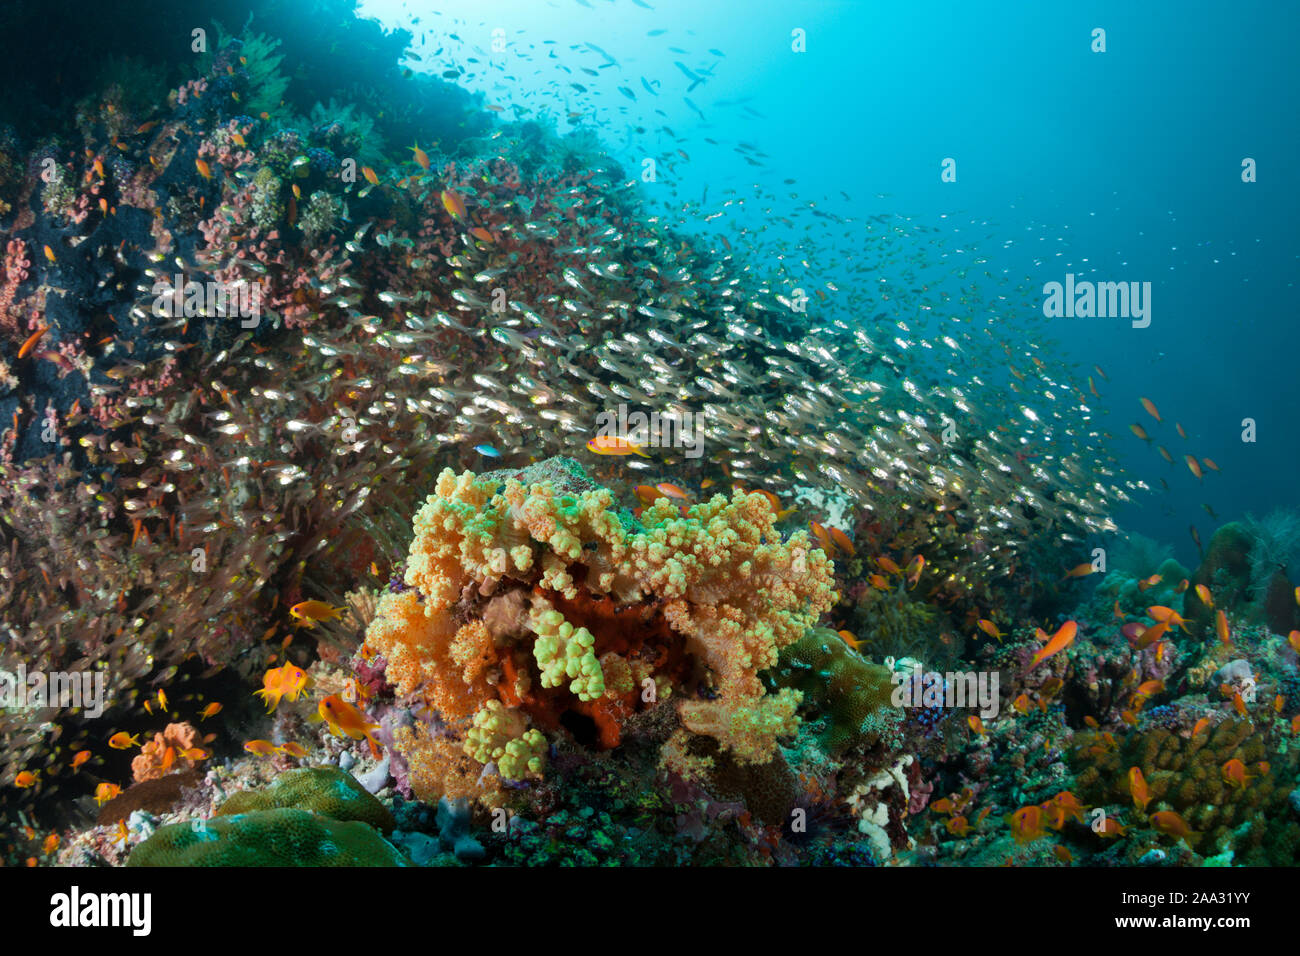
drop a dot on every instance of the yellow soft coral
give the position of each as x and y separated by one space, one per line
499 734
721 577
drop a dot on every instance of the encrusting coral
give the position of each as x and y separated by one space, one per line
525 604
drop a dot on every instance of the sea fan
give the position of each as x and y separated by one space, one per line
1276 547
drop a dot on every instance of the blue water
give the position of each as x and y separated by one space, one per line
1115 166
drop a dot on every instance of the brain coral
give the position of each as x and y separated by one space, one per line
328 791
527 603
282 837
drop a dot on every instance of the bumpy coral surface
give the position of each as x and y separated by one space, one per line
524 605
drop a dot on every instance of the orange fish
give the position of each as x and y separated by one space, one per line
1111 828
848 638
1063 855
25 779
942 805
609 445
210 711
370 175
30 342
1091 721
309 612
1141 432
122 741
888 565
958 826
1137 785
1221 627
1200 726
1203 593
1193 466
1164 453
106 792
1238 704
989 628
879 582
1209 464
287 681
453 203
1181 586
1079 571
1150 406
1166 821
1234 774
1062 639
294 749
915 568
822 535
421 157
79 758
478 232
1295 724
195 753
1294 640
841 540
976 725
263 748
1149 582
1027 824
344 719
51 843
204 169
1167 615
49 254
239 140
1022 704
669 490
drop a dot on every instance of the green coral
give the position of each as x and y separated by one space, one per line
563 651
854 695
281 837
328 791
498 735
266 84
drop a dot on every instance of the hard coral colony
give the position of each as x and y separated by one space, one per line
259 609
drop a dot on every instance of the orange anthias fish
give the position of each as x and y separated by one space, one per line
669 490
1203 593
1221 627
1139 431
106 792
1111 828
30 342
287 681
210 711
79 758
1293 639
294 749
609 445
51 843
848 638
370 175
204 169
309 612
842 541
1149 582
1167 615
1027 824
989 628
915 568
1079 571
453 203
1234 774
1062 639
483 235
123 741
1166 821
344 719
822 535
1137 785
1200 726
1150 406
421 157
263 748
25 779
976 725
1193 466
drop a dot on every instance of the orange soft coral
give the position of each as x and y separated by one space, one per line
154 760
